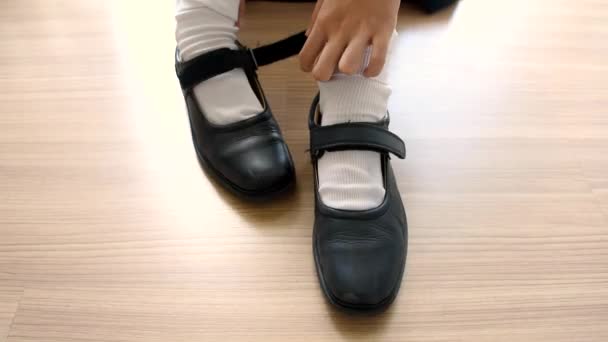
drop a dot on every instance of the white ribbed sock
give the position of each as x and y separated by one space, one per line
352 180
205 25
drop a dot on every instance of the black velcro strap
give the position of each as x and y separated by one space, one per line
355 136
213 63
220 61
279 50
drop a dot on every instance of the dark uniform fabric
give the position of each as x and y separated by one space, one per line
432 5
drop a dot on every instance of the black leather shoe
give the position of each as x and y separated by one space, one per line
359 255
248 157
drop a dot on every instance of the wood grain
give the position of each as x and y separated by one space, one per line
10 294
109 231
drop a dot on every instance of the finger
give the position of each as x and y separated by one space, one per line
352 58
309 53
378 58
328 60
315 14
239 21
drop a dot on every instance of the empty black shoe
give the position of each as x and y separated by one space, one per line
359 255
248 157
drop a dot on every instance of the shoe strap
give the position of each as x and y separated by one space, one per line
351 136
282 49
355 136
222 60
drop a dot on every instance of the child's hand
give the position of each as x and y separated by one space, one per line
341 30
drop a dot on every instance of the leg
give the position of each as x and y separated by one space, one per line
205 25
236 139
352 180
360 250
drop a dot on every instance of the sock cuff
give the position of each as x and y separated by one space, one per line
202 29
353 98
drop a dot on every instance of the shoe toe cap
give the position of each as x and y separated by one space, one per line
364 276
264 168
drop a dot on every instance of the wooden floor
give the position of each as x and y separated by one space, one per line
109 231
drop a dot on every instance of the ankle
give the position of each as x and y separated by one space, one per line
202 30
353 98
